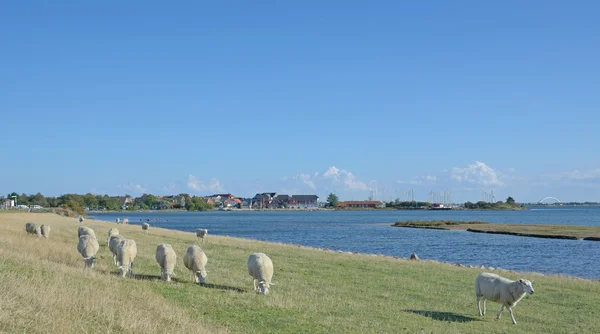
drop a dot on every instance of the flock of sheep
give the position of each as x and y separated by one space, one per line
124 252
488 286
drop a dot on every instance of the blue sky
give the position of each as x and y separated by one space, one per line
307 97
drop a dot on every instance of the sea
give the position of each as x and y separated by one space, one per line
371 232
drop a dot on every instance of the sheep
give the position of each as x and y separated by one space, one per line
118 221
81 219
201 233
32 228
125 221
126 253
195 260
145 227
113 245
83 230
501 290
112 232
45 229
260 267
88 247
166 258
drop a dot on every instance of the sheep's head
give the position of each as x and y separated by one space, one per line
263 288
89 262
166 275
202 276
527 285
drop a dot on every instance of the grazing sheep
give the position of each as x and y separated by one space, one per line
166 258
32 228
118 221
501 290
113 245
83 230
195 260
414 256
88 247
145 227
126 253
260 267
125 221
81 219
112 232
201 233
45 229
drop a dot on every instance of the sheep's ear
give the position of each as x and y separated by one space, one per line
521 280
532 281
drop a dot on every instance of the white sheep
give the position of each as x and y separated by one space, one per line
195 260
126 253
84 230
32 228
112 232
113 245
118 221
145 227
88 247
260 267
45 229
166 258
201 233
125 221
501 290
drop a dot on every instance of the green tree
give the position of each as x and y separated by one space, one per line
24 199
39 199
90 200
332 200
510 200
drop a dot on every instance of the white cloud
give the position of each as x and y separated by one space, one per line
333 176
578 175
581 178
306 179
477 173
213 185
419 180
346 178
135 188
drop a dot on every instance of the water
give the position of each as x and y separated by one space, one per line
370 232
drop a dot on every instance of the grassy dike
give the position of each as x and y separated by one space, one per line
572 232
43 288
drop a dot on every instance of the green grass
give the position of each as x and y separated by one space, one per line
434 223
540 231
315 291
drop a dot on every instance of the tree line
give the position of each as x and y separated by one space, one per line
79 203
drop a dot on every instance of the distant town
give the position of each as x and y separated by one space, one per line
227 201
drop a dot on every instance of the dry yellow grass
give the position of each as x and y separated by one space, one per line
44 288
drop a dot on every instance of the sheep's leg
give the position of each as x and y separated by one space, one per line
478 308
484 306
500 313
254 283
511 315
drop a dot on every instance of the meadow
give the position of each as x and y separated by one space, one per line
44 288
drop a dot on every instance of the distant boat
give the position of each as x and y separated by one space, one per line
438 206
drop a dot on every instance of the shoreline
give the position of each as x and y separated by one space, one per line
394 257
546 231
